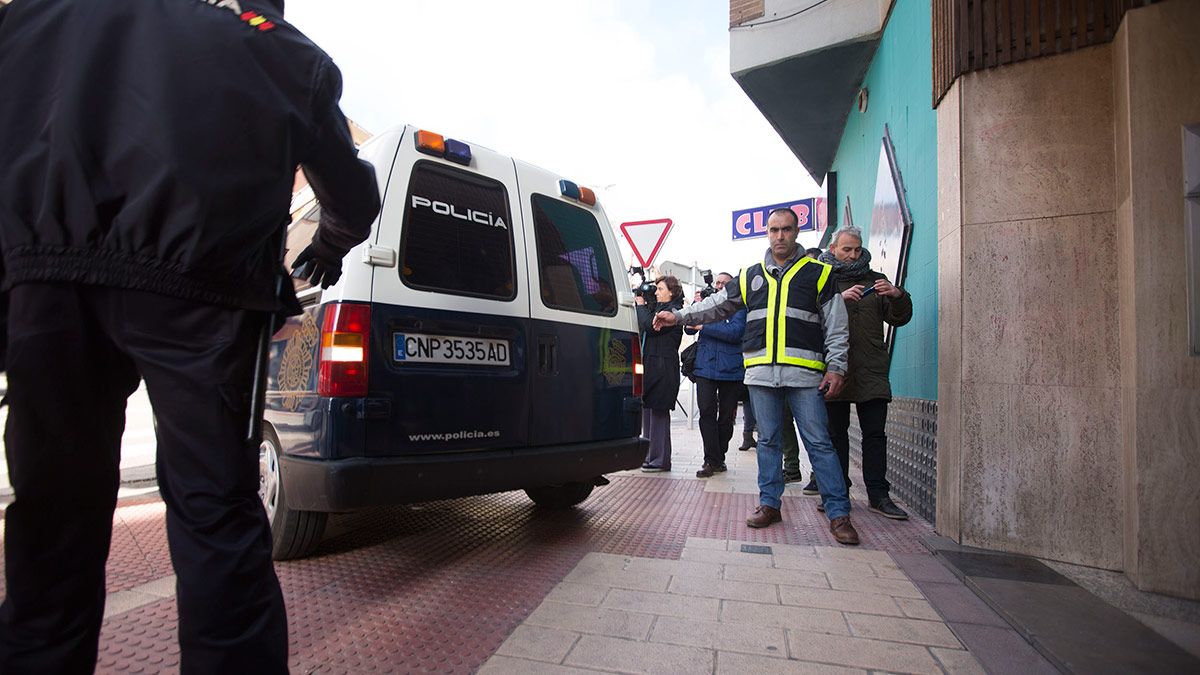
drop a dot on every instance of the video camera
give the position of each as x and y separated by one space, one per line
645 289
708 289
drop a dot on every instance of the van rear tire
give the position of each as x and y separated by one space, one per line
294 534
560 496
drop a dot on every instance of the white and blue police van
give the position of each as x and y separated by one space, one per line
482 339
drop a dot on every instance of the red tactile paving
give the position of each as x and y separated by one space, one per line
438 587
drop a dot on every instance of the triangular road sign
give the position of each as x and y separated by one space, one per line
646 238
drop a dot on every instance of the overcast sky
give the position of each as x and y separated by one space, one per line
635 95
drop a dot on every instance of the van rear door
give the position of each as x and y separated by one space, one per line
582 335
451 319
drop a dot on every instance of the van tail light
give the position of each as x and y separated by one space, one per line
638 368
345 344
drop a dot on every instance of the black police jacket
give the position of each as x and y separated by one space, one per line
153 144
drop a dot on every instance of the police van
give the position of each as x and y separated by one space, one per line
482 339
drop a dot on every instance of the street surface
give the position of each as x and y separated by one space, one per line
649 574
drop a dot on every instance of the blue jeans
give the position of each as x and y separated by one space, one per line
808 408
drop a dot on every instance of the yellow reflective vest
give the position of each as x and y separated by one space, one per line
783 317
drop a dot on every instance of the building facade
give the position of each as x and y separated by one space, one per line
1042 145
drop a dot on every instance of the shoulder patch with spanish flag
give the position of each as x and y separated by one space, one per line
257 21
250 18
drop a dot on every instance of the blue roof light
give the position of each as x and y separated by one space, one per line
458 152
568 189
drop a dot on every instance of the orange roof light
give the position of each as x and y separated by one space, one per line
431 143
587 196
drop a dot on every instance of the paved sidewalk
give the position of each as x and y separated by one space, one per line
647 575
719 609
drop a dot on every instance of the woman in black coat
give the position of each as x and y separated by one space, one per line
660 381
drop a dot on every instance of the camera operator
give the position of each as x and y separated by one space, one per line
660 358
718 375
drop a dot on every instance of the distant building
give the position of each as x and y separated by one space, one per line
1048 387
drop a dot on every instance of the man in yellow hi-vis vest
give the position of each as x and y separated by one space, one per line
794 350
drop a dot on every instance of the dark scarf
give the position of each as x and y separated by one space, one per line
668 306
848 270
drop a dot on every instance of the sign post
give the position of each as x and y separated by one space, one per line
646 238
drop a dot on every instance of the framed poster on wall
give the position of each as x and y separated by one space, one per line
891 223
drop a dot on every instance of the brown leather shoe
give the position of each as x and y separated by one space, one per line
843 531
764 516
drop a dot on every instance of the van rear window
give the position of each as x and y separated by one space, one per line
572 261
457 235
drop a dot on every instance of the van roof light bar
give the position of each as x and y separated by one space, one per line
446 148
458 152
573 191
431 143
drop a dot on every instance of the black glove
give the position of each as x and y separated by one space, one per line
318 271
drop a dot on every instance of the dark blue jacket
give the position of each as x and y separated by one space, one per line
152 145
719 356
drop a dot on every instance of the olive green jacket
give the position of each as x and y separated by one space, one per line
867 374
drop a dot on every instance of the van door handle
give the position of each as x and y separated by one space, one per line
547 354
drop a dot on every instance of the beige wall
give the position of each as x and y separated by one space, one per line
950 281
1069 409
1157 61
1038 374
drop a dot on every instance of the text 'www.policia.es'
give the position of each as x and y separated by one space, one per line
454 436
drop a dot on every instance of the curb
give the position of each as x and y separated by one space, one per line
134 477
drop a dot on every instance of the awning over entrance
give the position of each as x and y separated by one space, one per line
803 67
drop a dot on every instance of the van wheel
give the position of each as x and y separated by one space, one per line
294 534
559 496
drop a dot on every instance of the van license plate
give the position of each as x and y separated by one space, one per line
416 348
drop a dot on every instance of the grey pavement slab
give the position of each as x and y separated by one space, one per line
725 590
862 653
958 604
922 567
915 631
1069 626
539 643
1079 632
628 656
507 665
1002 650
767 641
733 663
592 620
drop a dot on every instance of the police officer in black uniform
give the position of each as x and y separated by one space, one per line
147 154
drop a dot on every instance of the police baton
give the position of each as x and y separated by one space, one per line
258 389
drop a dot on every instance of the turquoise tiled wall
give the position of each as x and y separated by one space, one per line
899 82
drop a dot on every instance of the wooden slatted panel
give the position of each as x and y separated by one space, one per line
970 35
1004 30
1018 30
1035 28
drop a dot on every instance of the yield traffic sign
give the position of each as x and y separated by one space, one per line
646 237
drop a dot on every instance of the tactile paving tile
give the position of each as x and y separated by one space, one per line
437 587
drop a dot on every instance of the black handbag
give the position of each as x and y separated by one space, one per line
687 361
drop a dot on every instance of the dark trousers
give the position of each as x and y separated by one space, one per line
872 417
75 354
749 424
718 401
656 426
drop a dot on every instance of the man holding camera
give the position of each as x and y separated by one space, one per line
871 301
794 352
718 376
